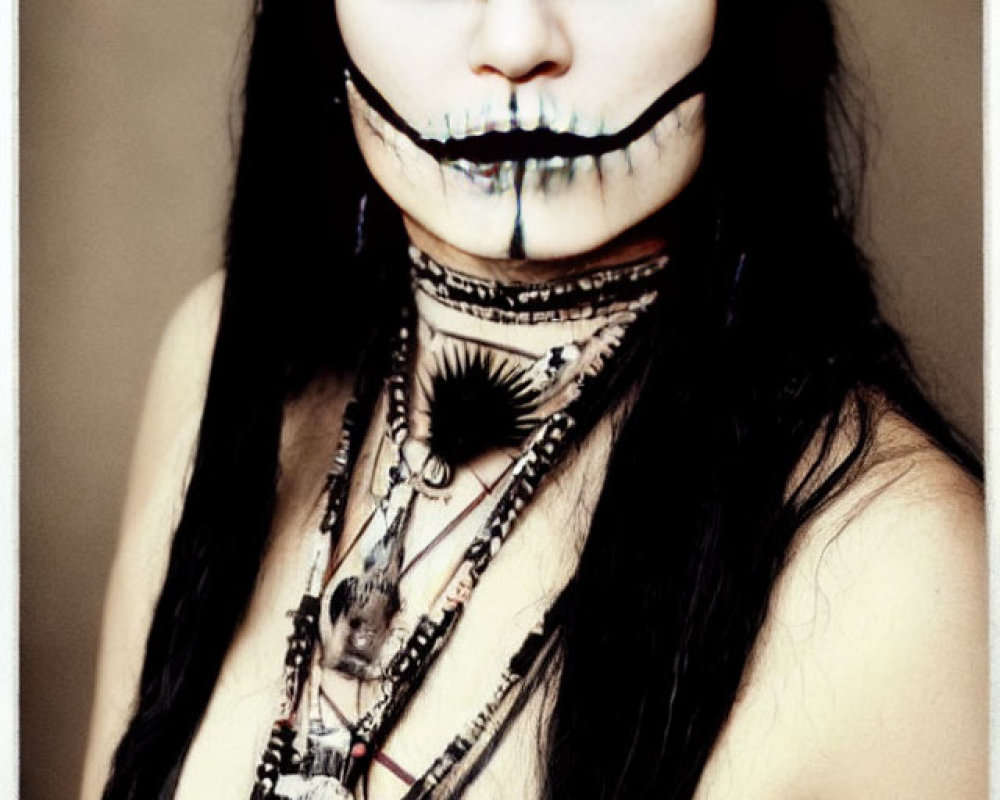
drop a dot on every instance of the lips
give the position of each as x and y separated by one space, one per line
519 145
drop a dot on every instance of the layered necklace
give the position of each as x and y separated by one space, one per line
491 421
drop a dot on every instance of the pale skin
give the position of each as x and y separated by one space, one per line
869 679
455 69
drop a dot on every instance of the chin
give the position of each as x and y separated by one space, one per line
538 210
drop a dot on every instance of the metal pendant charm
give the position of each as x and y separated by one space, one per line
436 472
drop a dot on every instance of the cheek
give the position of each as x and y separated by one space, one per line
412 51
636 49
439 198
608 197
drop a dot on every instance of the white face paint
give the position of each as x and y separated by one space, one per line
444 93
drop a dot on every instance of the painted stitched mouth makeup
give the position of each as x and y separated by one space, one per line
491 154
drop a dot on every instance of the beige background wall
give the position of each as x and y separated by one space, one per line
125 166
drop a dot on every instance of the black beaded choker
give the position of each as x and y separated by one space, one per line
627 287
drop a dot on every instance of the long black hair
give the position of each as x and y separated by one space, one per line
767 337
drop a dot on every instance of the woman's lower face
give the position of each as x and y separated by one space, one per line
528 129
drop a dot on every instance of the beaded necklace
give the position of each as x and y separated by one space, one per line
307 758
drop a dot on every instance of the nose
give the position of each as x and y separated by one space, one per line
520 40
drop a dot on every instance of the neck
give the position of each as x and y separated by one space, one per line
643 242
598 294
555 330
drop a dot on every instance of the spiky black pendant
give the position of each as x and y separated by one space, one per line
477 402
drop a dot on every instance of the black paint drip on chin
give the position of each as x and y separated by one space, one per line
519 145
516 249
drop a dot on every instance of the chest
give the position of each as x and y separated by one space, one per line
507 605
761 753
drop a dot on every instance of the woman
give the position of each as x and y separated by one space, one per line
637 495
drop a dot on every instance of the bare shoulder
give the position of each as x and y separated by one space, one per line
167 433
908 509
901 559
870 677
161 461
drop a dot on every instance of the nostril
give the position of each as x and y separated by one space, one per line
545 68
541 69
